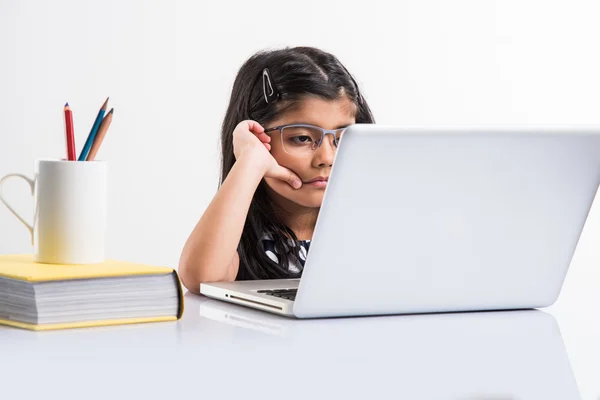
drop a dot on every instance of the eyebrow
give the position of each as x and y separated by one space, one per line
308 123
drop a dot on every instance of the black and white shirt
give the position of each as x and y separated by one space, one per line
296 260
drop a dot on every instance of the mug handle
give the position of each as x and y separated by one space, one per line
10 208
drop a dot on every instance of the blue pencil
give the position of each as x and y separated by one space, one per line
90 139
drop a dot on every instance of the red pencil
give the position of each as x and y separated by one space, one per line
71 156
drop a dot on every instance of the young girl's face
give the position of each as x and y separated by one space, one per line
327 114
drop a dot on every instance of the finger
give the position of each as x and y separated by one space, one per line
264 137
286 175
268 146
255 127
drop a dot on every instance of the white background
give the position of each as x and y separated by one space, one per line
168 67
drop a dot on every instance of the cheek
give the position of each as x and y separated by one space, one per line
305 196
298 166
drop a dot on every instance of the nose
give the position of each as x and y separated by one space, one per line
325 153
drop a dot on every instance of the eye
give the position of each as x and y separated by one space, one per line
302 139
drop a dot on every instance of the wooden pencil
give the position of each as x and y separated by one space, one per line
92 136
71 153
100 135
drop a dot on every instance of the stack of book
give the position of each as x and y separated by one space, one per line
51 296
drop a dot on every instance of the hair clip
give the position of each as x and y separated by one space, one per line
270 95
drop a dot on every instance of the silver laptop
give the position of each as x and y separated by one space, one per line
426 219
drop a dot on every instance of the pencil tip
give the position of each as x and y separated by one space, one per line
111 110
67 104
105 104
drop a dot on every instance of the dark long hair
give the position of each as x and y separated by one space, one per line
294 73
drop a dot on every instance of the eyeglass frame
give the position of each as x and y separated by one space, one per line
324 132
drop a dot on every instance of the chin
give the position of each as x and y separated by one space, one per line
310 201
305 196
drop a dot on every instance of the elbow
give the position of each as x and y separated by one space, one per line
190 282
193 274
190 278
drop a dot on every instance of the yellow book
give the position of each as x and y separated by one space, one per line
54 296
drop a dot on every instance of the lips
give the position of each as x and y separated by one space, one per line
320 182
318 179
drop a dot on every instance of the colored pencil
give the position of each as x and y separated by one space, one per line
100 136
70 133
93 132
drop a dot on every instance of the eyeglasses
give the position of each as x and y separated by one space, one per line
302 140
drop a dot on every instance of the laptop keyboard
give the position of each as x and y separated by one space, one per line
289 294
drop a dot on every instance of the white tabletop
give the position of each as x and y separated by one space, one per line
218 350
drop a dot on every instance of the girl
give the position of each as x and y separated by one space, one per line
287 111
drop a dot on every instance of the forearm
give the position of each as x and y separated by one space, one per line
212 245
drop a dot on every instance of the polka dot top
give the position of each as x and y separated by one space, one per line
296 260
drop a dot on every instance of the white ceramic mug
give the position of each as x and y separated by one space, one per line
69 222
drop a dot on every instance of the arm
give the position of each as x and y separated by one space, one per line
210 253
